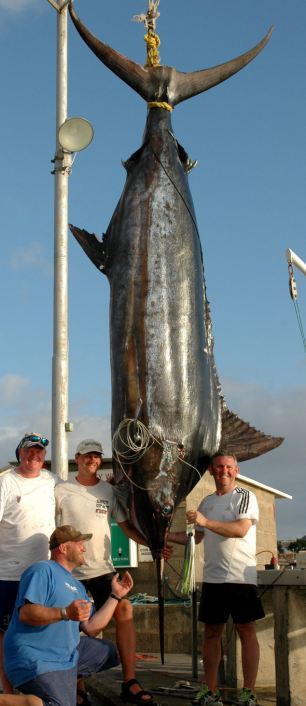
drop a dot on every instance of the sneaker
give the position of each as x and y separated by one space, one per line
246 697
204 697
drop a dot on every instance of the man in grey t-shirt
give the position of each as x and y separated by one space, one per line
88 503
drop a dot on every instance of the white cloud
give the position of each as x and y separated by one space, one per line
31 257
22 408
91 427
12 388
281 413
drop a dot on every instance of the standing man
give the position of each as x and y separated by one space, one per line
89 503
27 511
227 522
43 651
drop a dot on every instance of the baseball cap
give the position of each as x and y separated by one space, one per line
89 445
31 439
67 533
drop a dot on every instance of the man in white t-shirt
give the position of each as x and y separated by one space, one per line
89 503
27 518
227 522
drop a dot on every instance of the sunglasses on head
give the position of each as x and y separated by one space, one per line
34 437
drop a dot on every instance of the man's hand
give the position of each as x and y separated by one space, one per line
120 587
167 552
226 528
79 610
196 518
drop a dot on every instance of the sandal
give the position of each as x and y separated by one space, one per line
85 698
128 697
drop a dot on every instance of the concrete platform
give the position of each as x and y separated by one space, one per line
105 687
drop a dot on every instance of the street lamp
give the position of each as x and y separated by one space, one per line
75 134
72 135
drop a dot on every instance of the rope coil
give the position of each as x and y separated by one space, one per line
131 440
160 104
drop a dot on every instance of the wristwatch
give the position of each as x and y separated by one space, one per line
112 595
64 615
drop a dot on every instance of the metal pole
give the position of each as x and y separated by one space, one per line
60 306
194 634
294 259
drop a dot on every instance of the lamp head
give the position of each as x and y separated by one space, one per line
75 134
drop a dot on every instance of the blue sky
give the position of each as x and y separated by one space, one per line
249 191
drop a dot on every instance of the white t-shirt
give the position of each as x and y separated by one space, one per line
89 508
227 559
27 519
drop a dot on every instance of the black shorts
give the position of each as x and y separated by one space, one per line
8 594
220 600
100 588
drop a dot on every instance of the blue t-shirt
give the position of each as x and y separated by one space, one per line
29 650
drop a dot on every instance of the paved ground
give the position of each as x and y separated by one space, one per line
105 687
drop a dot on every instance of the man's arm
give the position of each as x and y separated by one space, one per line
233 528
99 620
132 532
181 537
38 615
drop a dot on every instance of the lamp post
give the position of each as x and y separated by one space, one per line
72 135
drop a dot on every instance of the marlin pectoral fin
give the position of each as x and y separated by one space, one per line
92 246
243 440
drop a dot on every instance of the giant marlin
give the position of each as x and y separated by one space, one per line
168 414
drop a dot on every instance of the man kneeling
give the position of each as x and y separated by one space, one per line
43 651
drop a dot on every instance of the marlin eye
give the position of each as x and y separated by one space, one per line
167 509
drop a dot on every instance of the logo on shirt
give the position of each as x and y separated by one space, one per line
102 507
70 587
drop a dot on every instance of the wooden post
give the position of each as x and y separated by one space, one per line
280 609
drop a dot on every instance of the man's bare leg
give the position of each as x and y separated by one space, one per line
249 653
6 685
212 654
126 643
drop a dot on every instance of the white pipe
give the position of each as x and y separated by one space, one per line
54 4
294 259
60 304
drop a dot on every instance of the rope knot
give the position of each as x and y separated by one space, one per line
153 42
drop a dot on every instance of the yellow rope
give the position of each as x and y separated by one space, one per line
153 42
160 104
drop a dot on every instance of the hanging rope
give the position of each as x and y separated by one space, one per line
153 42
151 38
294 296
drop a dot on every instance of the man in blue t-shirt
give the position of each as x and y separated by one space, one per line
43 651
